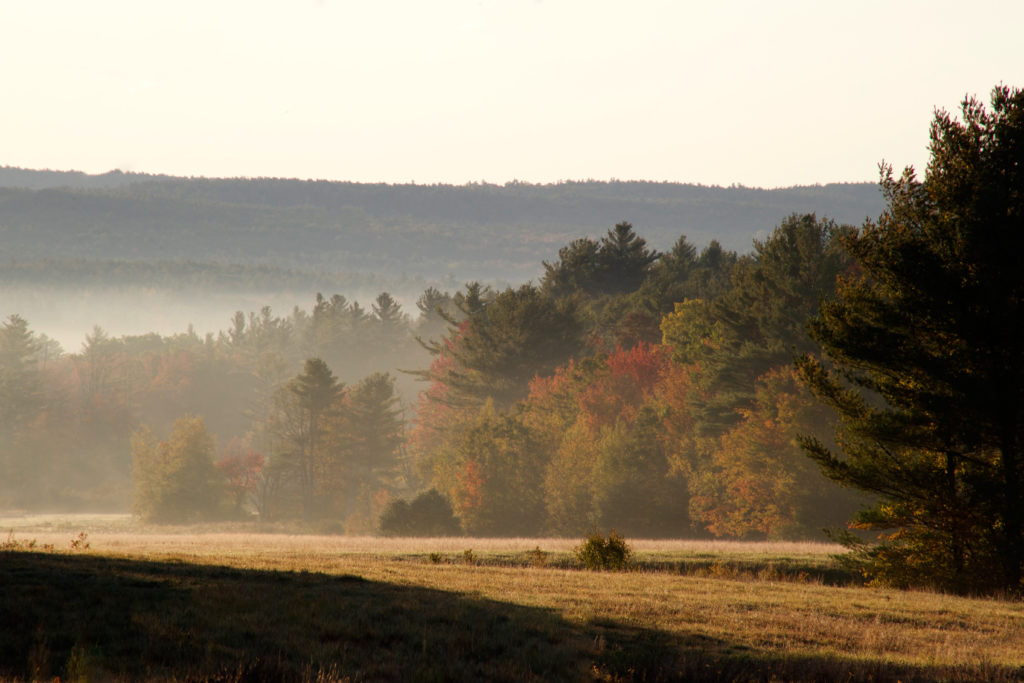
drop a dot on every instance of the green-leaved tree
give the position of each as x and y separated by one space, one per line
176 481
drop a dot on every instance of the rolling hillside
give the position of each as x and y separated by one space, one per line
471 231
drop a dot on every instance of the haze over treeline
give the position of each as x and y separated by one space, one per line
610 382
137 253
352 274
582 399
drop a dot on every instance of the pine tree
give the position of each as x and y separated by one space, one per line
20 394
624 259
315 391
617 264
370 434
505 342
388 312
576 270
925 360
21 404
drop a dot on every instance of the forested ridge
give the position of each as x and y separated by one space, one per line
476 231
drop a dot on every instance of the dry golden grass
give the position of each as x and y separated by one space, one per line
220 544
646 623
122 530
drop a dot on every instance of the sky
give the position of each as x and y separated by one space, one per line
764 94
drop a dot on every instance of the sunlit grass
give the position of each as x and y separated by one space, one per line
709 610
218 543
120 531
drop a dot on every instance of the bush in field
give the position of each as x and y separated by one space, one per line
429 514
598 552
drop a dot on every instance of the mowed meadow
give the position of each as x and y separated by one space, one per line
126 602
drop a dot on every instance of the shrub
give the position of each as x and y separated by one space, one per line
14 545
80 542
598 552
429 514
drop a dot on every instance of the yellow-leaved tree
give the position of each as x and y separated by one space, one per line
176 481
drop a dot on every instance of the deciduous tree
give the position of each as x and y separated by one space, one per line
175 481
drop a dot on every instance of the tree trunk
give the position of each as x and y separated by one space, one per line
1013 545
956 538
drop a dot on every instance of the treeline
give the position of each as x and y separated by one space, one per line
614 392
650 393
66 419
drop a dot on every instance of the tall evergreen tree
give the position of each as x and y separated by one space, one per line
19 385
926 353
624 259
617 264
436 309
576 270
670 279
316 389
21 401
372 430
388 312
503 343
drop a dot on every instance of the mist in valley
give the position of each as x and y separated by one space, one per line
84 370
67 315
405 359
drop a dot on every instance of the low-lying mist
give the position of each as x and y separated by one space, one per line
67 315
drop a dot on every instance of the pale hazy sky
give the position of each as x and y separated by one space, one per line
759 93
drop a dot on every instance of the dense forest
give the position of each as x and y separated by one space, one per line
589 399
593 312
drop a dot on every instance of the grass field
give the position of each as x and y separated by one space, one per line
228 604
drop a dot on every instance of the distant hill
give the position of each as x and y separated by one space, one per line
137 253
475 231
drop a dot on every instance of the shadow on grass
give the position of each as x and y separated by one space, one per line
81 616
112 618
